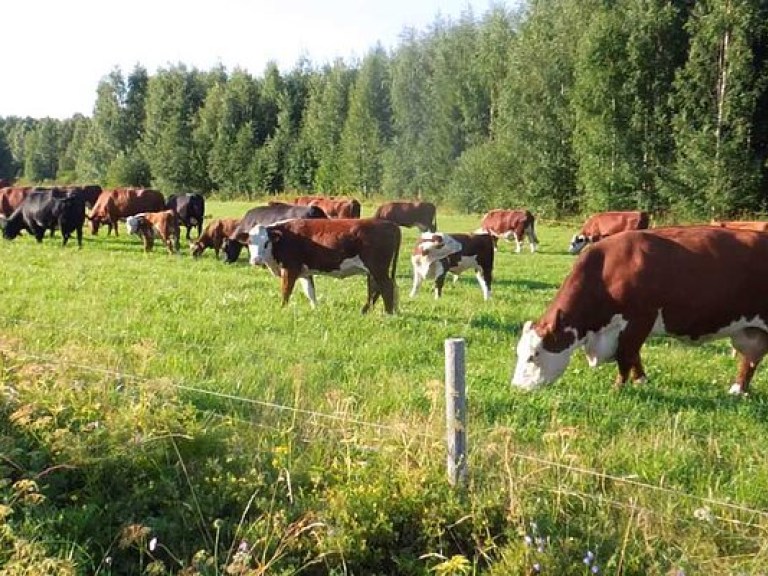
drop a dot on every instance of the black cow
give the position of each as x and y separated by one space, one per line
44 210
190 209
266 215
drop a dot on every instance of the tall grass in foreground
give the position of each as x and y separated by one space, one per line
165 415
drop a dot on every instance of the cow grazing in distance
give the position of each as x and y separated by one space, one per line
511 224
333 207
214 236
115 205
436 254
423 215
755 225
11 198
273 212
190 208
151 225
301 249
693 282
43 210
603 224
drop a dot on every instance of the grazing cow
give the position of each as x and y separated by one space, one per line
423 215
117 204
190 209
270 214
43 210
603 224
741 225
332 206
151 225
436 254
299 249
693 282
214 236
508 224
11 198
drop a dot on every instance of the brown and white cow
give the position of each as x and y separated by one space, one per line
332 206
509 224
436 254
694 282
151 225
214 236
755 225
300 249
423 215
603 224
115 205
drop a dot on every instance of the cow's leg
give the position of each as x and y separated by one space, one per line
440 282
751 344
374 292
308 285
484 279
287 282
518 243
79 233
628 359
417 280
388 292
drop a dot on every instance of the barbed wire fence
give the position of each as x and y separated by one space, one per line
462 465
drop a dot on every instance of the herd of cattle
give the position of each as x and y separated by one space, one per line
692 282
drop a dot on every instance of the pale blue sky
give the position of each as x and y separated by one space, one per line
56 51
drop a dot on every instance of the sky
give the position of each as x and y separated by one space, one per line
63 48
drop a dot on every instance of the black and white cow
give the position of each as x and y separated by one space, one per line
43 210
436 254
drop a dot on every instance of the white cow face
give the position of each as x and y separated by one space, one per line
578 242
434 246
537 366
260 246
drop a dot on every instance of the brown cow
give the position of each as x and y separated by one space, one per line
423 215
151 225
755 225
299 249
436 254
11 198
333 206
603 224
117 204
508 224
214 236
691 282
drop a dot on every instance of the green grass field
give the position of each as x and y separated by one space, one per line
155 396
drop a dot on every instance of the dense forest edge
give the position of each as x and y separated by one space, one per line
561 106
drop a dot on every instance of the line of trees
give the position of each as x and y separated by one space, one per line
561 106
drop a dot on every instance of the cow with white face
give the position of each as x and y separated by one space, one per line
299 249
695 283
436 254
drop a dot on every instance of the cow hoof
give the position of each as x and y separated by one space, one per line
736 390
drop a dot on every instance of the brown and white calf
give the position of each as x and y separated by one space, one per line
436 254
511 224
695 283
300 249
151 225
422 215
214 236
603 224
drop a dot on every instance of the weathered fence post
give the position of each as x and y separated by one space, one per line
456 411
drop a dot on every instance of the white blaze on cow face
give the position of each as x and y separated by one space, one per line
537 366
578 242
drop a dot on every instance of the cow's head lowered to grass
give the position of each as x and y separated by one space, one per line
260 243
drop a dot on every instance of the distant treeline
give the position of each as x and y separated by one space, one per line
560 106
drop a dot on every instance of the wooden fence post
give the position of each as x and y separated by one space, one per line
456 411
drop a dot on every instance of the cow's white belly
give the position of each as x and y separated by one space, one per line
735 328
466 263
348 267
601 346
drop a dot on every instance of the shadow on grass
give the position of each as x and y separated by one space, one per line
677 399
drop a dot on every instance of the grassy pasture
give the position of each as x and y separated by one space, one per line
176 398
